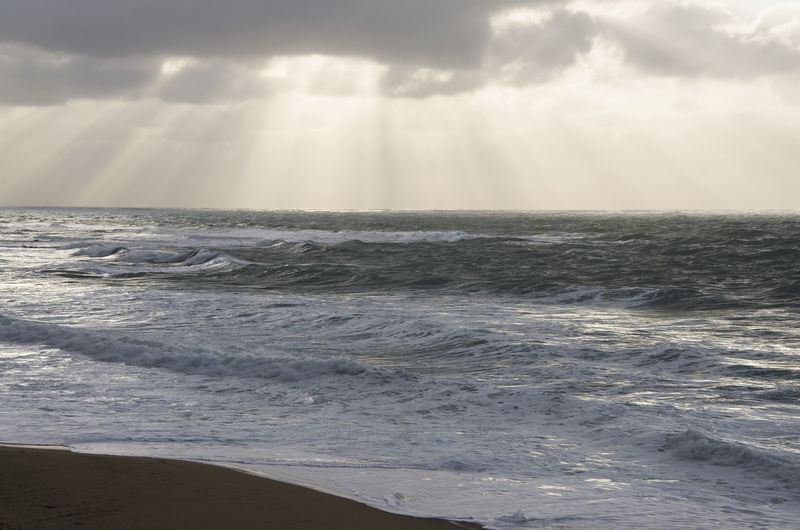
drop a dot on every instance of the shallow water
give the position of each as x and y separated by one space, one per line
519 370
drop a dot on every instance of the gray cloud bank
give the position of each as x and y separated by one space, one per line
440 32
55 50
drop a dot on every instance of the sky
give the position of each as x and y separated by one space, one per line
401 104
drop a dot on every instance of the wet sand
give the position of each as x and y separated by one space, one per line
52 488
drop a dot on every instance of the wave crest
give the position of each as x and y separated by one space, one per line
99 251
106 347
693 445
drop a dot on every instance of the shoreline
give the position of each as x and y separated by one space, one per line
54 487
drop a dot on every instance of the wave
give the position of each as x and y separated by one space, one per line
266 237
156 256
261 237
695 446
519 520
789 290
668 296
207 257
123 262
767 373
687 298
99 251
555 238
569 267
124 254
646 298
782 395
109 347
350 267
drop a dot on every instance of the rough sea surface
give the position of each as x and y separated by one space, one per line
520 370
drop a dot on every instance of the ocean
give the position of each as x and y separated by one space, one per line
519 370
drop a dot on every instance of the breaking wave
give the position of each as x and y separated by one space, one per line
335 237
120 261
695 446
99 251
152 354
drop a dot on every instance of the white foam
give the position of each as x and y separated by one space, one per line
226 237
551 238
329 237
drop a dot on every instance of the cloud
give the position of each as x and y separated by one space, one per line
53 51
703 40
428 48
115 42
211 81
440 33
781 22
35 77
519 52
531 52
32 77
409 82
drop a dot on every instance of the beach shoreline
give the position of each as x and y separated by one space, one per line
49 487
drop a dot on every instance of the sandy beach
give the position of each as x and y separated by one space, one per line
54 488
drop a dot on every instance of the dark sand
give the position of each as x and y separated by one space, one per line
50 488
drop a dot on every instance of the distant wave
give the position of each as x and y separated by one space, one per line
351 266
124 254
226 238
647 263
323 236
269 236
122 262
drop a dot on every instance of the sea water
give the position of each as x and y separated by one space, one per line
519 370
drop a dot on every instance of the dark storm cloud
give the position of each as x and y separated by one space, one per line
407 36
520 53
31 77
55 50
693 40
106 35
442 33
